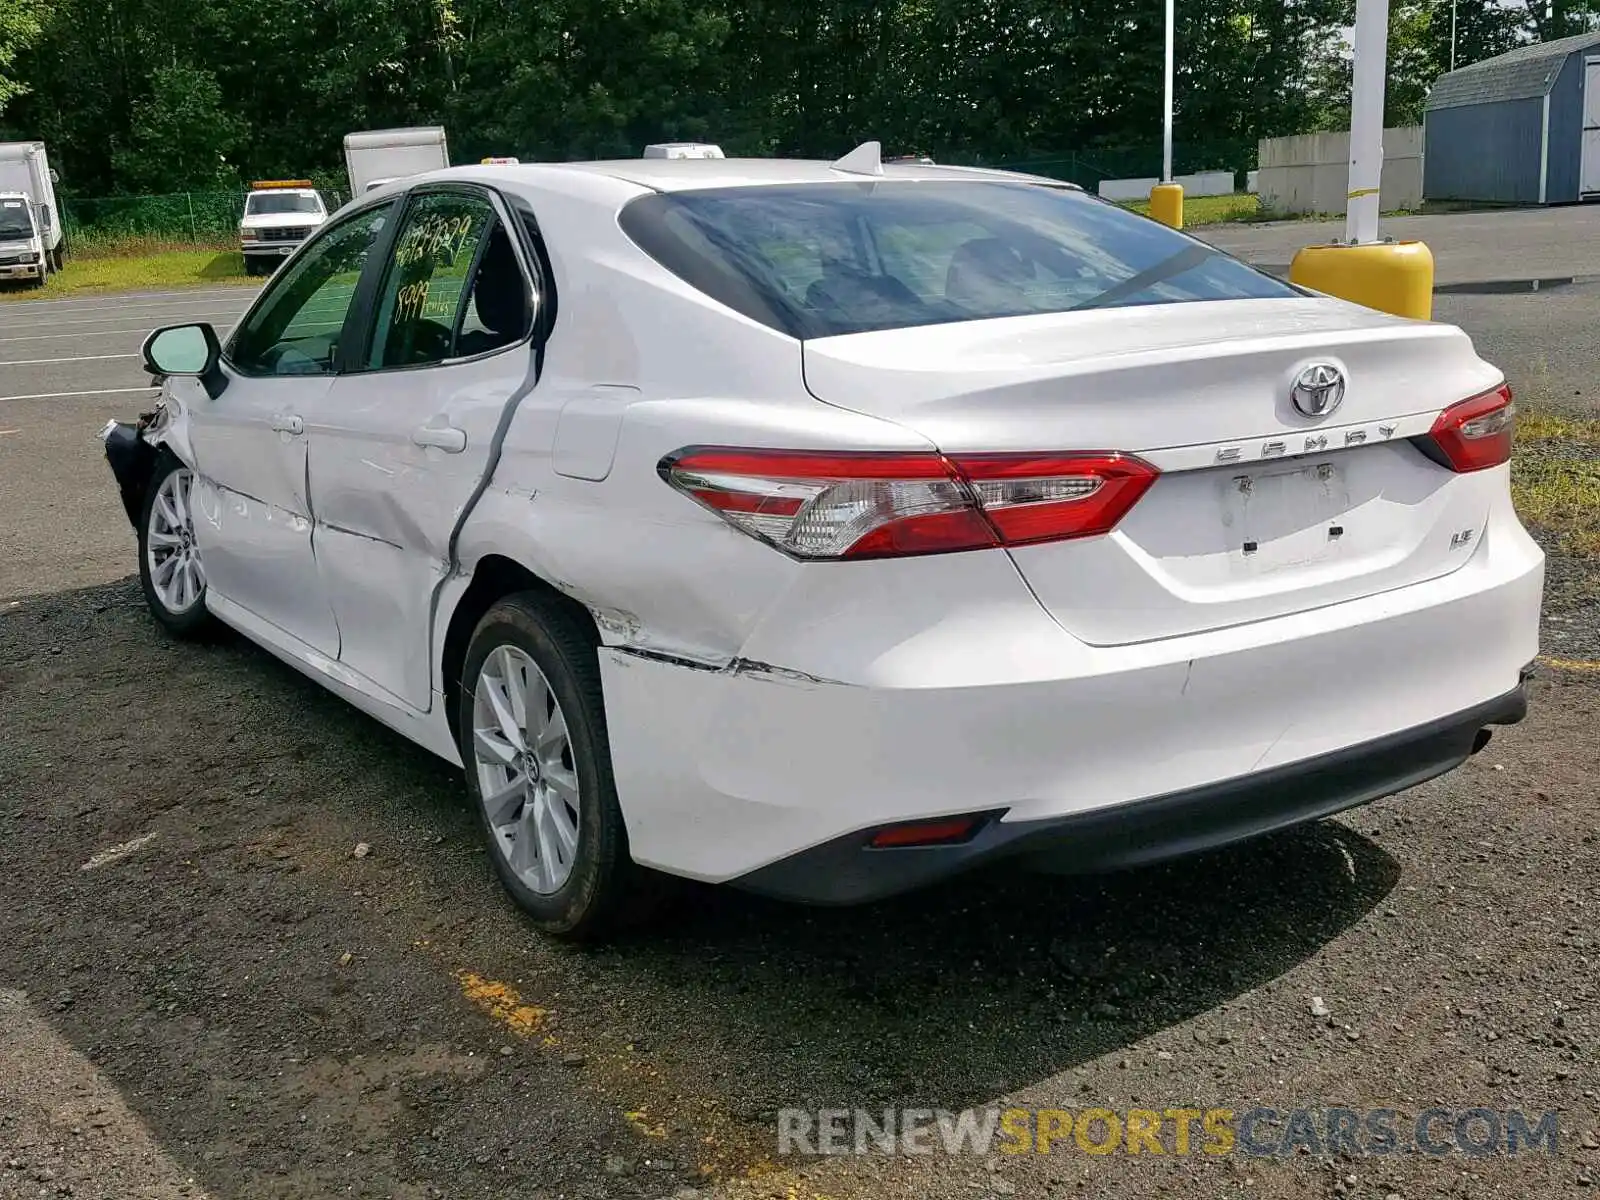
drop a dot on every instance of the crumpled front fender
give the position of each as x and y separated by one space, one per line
132 450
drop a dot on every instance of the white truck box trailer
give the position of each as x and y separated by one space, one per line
25 170
379 155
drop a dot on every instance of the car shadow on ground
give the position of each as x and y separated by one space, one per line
220 945
963 992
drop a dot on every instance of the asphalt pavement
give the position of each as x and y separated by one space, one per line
1467 247
66 367
1487 266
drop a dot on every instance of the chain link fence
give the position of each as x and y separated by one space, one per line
196 218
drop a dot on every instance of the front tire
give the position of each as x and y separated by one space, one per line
538 766
170 571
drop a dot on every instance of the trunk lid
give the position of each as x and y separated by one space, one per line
1260 510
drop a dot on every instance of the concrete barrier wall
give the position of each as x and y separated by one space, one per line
1202 183
1309 173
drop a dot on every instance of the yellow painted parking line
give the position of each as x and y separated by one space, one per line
1570 664
502 1002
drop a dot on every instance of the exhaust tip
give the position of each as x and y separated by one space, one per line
1481 739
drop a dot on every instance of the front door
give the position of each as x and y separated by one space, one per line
253 519
1590 169
401 442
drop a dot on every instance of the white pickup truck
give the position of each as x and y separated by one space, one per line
278 215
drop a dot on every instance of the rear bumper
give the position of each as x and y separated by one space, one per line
848 870
950 691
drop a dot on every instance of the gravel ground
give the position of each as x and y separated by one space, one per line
249 946
291 1019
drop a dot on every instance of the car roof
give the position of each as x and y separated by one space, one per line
679 174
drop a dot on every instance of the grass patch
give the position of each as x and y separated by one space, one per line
131 268
1555 479
1208 210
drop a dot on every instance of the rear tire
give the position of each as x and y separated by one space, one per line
170 573
538 766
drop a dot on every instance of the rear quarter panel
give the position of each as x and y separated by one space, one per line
642 364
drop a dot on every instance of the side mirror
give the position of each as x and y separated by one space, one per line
182 350
186 350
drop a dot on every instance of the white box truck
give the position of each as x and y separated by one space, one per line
31 241
683 150
375 157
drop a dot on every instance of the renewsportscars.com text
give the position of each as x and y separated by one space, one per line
1258 1131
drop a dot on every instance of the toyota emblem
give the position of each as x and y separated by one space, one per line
1318 390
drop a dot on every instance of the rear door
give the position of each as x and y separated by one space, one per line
402 441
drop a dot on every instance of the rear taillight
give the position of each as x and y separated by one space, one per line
1476 433
1047 497
876 505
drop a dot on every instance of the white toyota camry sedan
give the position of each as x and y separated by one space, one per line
827 530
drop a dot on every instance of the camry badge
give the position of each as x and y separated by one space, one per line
1318 390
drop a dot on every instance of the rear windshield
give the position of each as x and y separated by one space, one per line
829 258
276 203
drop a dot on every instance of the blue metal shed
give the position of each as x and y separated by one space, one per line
1521 128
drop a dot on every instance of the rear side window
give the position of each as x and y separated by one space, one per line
816 260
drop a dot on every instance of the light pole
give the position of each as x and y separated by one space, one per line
1367 81
1452 35
1395 277
1166 114
1166 198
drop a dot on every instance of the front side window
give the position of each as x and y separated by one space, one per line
295 329
836 258
452 288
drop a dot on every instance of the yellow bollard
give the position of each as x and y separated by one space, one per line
1393 277
1166 204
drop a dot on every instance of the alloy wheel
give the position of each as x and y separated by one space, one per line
176 574
526 774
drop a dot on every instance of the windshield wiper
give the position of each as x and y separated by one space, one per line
1176 264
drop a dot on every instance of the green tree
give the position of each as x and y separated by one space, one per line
157 94
180 135
21 24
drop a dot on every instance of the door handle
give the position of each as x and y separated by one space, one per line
288 423
445 437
